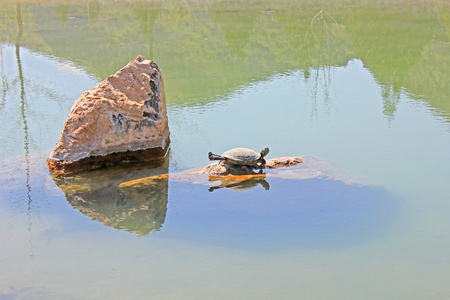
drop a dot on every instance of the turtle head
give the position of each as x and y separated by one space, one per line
264 152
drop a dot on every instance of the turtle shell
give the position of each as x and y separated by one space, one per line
242 156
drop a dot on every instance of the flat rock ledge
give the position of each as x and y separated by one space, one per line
122 119
220 168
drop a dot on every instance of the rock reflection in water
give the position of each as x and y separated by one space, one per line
140 208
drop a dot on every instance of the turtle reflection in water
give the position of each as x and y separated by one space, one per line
239 182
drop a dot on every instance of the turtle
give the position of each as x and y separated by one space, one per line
241 157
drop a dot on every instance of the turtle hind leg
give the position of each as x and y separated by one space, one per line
212 156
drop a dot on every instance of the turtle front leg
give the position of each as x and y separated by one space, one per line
261 164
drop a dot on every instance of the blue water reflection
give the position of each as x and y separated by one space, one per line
311 213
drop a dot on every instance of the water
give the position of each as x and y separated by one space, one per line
359 88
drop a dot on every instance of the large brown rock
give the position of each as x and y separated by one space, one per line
124 118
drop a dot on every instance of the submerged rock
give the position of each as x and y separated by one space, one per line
235 177
240 178
122 119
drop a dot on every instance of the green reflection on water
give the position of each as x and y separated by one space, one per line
209 49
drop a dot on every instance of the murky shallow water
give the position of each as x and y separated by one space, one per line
361 90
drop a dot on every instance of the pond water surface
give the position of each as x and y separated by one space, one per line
359 89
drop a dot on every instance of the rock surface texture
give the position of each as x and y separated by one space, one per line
122 119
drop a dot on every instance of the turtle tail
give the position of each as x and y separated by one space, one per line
212 156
